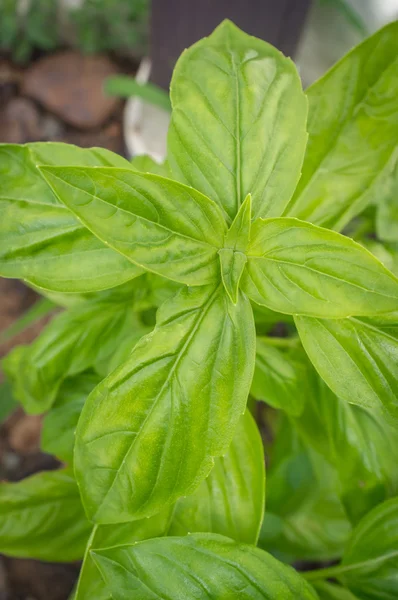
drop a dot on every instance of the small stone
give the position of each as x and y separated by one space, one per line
19 122
24 437
51 128
71 86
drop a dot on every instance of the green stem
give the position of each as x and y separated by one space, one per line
327 573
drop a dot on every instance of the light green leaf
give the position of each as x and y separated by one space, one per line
230 501
52 250
357 358
232 257
298 268
369 445
195 567
238 122
149 432
59 425
353 130
34 513
370 563
387 209
68 346
146 164
159 224
280 378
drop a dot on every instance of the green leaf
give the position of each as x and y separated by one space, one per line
91 585
149 432
238 122
387 210
370 563
305 519
331 591
369 445
52 250
146 164
298 268
353 130
59 425
279 378
69 345
230 501
198 566
34 513
357 358
232 257
159 224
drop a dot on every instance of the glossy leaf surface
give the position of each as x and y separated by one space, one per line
298 268
157 223
229 502
238 122
53 249
357 358
149 432
34 511
195 567
353 130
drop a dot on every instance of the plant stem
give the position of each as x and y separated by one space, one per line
327 573
279 342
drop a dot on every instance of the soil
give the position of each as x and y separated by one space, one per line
26 116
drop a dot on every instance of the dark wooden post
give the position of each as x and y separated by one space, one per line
176 24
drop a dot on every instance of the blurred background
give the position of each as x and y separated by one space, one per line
96 73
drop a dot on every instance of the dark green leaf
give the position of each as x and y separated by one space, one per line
238 122
149 432
7 400
42 517
159 224
198 566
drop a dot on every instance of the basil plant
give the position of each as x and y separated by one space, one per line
257 262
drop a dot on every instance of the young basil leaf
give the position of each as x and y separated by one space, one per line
369 445
280 378
68 346
159 224
370 562
52 250
298 268
198 566
34 511
149 432
59 425
353 130
7 400
230 501
238 122
331 591
357 358
232 257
